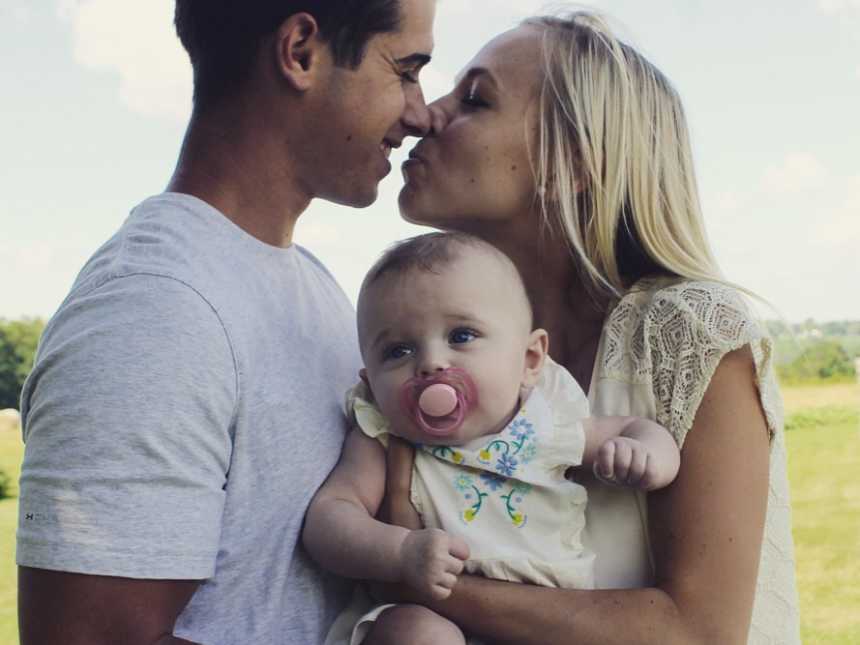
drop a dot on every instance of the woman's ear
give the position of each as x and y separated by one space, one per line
536 353
298 49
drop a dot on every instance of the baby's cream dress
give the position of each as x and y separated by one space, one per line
506 494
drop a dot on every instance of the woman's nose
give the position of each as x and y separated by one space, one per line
439 115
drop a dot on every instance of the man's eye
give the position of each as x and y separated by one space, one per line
395 352
460 336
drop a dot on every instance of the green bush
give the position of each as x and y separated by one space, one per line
824 360
18 342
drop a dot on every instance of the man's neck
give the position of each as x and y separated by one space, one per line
241 174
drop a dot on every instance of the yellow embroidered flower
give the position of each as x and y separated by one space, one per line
517 518
469 514
484 455
457 457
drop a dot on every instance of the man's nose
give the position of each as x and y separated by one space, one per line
416 115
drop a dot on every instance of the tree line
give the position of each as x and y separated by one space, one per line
806 352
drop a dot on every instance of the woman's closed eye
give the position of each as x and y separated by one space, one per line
462 335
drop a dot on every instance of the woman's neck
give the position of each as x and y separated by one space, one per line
562 304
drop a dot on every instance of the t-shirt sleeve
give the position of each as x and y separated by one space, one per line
687 330
127 422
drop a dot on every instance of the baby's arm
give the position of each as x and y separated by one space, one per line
342 534
630 451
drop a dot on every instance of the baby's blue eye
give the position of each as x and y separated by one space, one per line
460 336
395 352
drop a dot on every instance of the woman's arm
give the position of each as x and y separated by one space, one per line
706 530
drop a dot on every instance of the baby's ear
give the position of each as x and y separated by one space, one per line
536 353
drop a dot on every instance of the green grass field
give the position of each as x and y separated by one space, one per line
824 460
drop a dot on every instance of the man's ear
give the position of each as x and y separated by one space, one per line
536 353
298 49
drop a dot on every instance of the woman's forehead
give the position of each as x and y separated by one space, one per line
512 58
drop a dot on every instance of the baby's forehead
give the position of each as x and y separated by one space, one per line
487 274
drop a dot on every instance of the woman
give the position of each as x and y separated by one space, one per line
569 151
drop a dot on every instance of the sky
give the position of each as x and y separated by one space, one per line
97 93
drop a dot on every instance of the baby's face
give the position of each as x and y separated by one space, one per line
467 325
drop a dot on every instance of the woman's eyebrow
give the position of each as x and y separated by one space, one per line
475 72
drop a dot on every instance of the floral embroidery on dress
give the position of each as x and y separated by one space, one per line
518 491
496 465
516 445
473 496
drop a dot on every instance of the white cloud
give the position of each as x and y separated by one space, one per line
797 172
837 6
135 40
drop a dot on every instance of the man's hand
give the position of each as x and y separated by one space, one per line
624 461
431 560
397 506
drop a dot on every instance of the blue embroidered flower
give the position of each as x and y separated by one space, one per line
463 483
521 429
493 481
506 465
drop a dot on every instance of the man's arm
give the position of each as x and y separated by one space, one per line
706 530
57 608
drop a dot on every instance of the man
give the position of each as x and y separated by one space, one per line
185 403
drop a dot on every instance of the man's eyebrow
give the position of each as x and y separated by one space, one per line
414 60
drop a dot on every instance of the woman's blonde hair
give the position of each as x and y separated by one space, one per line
614 166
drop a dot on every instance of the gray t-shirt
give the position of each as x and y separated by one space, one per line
184 407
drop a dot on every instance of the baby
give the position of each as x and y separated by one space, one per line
454 366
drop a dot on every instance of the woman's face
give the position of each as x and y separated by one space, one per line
474 169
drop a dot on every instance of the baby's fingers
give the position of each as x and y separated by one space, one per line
623 460
442 589
604 465
638 468
458 548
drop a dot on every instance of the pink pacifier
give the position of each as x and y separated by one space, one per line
438 400
439 404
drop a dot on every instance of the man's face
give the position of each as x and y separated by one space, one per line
460 317
359 115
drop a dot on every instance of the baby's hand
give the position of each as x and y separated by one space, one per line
629 462
431 560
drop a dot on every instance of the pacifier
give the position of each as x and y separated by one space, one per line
439 404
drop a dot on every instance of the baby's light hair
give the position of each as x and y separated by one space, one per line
429 253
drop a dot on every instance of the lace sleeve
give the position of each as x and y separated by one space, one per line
686 330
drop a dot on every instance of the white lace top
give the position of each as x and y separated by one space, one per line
660 347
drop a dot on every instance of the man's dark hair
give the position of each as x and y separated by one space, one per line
222 36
